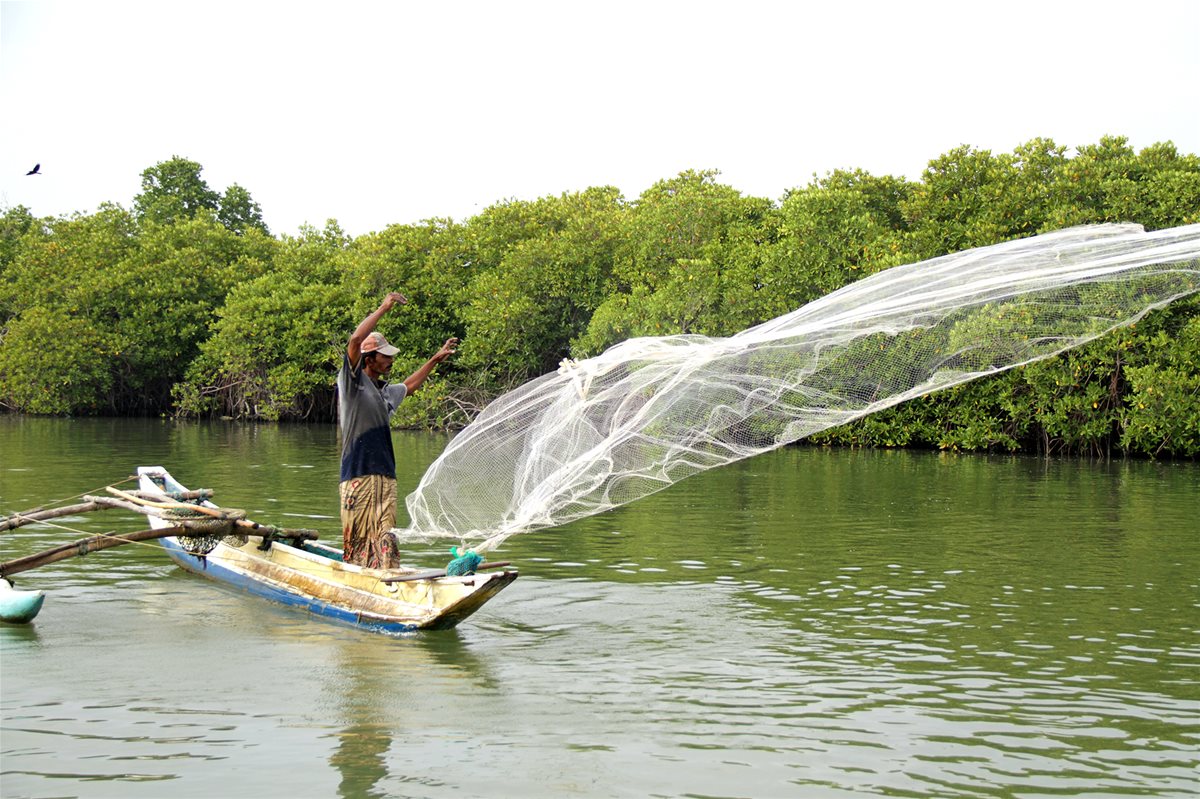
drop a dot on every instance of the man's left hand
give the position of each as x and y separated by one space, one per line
448 349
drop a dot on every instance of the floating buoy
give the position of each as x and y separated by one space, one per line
19 607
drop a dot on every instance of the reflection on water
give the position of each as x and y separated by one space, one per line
370 693
807 623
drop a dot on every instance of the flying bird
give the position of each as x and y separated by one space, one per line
35 169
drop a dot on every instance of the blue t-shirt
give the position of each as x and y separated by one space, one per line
363 413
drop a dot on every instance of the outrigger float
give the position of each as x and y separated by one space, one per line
286 566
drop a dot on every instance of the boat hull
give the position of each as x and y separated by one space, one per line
421 605
315 579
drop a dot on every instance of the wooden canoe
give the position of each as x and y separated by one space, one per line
314 578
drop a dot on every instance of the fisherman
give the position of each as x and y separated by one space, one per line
365 406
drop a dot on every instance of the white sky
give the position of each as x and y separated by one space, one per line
376 113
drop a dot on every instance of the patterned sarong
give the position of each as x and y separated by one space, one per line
368 513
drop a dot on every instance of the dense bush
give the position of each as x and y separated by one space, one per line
188 305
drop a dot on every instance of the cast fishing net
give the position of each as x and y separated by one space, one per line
649 412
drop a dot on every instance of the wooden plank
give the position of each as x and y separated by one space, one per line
82 547
14 520
433 575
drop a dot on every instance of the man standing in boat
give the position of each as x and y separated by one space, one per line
365 406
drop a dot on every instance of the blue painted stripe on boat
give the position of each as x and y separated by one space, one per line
223 574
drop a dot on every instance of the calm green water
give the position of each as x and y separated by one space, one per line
808 623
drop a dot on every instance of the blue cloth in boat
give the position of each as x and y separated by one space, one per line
363 413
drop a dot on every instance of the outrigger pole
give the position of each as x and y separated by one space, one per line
85 546
134 502
206 522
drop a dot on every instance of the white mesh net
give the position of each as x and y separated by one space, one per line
649 412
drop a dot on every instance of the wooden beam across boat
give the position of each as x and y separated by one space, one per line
12 521
436 573
134 501
84 546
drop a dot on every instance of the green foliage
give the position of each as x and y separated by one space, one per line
833 232
687 260
1075 398
272 352
277 341
1109 182
1162 406
434 407
173 191
521 314
971 198
148 294
181 274
239 212
53 364
14 224
56 265
188 304
673 220
50 292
